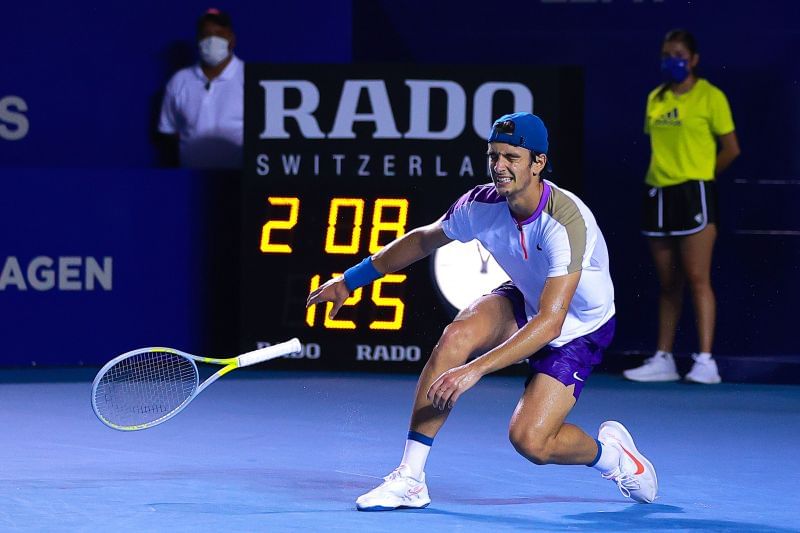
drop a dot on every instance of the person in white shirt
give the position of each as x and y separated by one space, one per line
203 107
557 312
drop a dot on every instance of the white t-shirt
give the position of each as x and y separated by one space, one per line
208 116
560 237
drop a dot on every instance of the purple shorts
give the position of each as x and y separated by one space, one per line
571 363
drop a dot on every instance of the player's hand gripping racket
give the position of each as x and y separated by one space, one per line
145 387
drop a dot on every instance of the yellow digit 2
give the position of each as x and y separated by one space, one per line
397 303
398 227
289 223
355 236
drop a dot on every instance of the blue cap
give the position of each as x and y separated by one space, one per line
520 129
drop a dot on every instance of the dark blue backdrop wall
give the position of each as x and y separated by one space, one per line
91 74
80 85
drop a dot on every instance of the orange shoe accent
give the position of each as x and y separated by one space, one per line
639 465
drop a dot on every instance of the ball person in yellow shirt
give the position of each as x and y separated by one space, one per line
693 139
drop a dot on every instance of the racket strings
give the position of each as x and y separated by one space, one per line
145 387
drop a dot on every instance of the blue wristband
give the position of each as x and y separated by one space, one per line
362 274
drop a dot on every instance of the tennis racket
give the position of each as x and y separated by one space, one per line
143 388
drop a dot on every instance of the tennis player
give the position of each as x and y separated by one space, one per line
557 312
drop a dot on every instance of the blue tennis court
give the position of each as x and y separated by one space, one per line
286 451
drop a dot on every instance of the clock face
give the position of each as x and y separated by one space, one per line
465 271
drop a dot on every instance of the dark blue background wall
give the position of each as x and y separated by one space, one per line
91 75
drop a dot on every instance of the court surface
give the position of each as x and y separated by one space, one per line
261 451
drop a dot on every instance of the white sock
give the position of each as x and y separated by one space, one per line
609 458
662 353
414 457
703 356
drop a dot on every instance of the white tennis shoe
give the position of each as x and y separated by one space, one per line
660 367
398 491
704 370
635 475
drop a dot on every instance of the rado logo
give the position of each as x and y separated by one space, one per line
382 110
382 352
310 350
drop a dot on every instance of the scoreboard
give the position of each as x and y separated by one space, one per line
301 236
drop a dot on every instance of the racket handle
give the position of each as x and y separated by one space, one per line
270 352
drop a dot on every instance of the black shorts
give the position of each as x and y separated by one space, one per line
679 209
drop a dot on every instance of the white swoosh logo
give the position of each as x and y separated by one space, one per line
576 376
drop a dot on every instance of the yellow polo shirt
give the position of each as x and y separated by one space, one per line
683 129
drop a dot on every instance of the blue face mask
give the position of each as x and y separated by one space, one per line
674 69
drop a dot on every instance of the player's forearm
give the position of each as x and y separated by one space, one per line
534 336
398 254
404 251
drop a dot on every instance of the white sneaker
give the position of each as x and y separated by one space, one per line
660 367
398 490
635 475
704 370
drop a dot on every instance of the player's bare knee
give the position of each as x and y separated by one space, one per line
455 345
532 444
